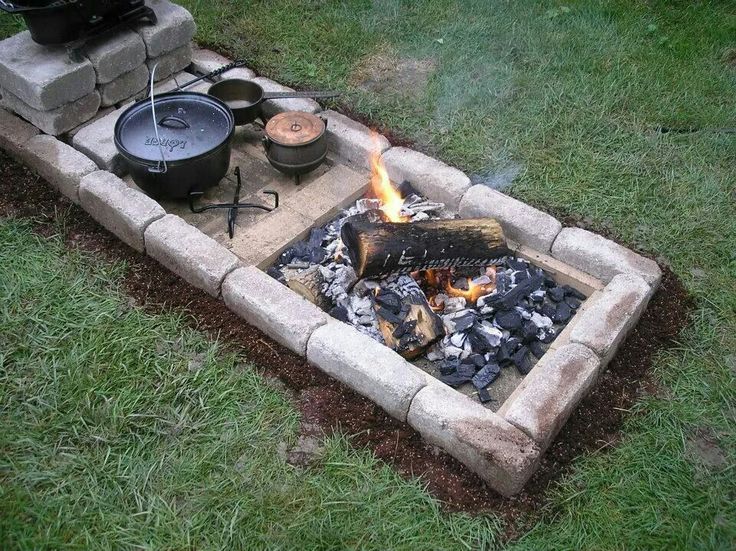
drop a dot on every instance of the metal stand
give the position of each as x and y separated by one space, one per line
232 208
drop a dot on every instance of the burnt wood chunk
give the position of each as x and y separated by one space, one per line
411 327
382 248
508 300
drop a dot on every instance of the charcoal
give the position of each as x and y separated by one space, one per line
508 319
316 237
521 276
406 340
449 366
404 328
508 300
484 396
477 342
556 293
517 264
389 316
340 313
482 280
549 310
563 313
573 302
454 379
390 301
536 348
454 304
549 336
486 376
521 360
452 352
477 359
275 273
287 256
502 284
542 322
538 295
465 322
549 281
506 350
529 331
571 291
458 339
466 370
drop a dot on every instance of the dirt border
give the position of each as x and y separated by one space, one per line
593 427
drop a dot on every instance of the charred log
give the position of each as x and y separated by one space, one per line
380 248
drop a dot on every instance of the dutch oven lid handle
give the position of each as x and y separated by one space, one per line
170 121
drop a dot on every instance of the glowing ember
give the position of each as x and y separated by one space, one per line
391 200
437 281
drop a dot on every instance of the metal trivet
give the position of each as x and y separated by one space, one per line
232 213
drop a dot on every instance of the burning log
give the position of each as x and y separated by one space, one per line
380 248
408 323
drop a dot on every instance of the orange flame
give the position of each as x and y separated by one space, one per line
391 201
441 280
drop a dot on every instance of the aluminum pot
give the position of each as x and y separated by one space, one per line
181 143
295 142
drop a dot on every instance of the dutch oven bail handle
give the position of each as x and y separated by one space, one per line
160 167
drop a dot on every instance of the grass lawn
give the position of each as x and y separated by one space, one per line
560 100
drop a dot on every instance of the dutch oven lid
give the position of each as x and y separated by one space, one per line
189 125
294 128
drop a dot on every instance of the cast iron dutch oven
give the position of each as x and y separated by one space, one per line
187 149
295 142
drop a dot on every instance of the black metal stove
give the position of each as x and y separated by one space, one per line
73 22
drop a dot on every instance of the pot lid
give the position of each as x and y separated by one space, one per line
294 128
189 125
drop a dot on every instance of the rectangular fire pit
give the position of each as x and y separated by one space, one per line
502 446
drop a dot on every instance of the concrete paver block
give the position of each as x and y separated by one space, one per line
601 257
430 177
56 121
175 28
170 63
366 366
189 253
42 77
116 54
122 210
275 309
351 140
124 87
58 163
14 133
520 222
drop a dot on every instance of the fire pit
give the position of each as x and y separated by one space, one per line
444 292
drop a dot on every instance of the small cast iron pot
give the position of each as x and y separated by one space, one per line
187 149
295 142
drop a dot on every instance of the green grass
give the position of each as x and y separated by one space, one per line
569 95
124 430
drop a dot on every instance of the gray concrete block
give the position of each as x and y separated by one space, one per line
273 308
552 391
96 140
604 325
43 77
206 61
119 208
352 141
124 87
175 28
243 73
59 120
14 133
189 253
170 63
521 223
180 79
601 257
487 444
366 366
115 54
272 107
58 163
430 177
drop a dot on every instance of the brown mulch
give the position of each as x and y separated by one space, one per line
595 426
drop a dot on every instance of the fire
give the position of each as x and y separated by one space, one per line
440 281
391 200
